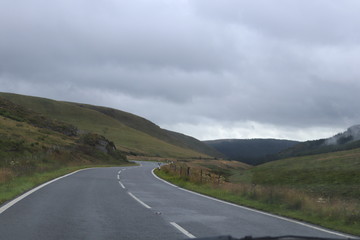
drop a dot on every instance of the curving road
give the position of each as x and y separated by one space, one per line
131 203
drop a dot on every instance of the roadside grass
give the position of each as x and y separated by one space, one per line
331 175
19 185
270 200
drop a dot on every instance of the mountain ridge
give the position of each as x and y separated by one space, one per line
144 125
133 140
350 135
250 151
347 140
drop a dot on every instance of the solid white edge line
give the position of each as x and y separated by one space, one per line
257 211
122 185
118 177
11 203
181 229
141 202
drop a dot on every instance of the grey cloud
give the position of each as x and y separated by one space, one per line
144 37
285 64
303 21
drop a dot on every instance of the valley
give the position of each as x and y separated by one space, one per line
312 181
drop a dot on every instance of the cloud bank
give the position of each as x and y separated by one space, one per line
210 69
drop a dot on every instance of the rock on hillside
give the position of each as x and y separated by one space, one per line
98 142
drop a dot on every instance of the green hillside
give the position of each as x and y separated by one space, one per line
28 138
35 148
127 137
331 174
144 125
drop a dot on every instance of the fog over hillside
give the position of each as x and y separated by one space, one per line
351 134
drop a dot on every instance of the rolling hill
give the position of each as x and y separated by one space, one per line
131 134
145 126
250 151
31 142
327 174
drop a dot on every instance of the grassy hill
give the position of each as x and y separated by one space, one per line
250 151
27 138
145 126
330 174
35 148
130 133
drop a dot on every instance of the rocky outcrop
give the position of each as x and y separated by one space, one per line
98 142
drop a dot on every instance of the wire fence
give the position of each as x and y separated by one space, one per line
194 174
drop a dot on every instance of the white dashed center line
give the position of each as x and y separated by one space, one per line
181 229
118 177
141 202
122 185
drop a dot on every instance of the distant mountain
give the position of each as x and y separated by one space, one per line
251 151
347 140
350 135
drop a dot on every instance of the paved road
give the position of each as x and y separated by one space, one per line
130 203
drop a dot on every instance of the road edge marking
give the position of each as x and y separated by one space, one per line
181 229
257 211
139 201
24 195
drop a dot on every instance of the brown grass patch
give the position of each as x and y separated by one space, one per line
6 174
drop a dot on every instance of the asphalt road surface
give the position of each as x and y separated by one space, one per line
131 203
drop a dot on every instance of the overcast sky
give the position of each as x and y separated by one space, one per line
284 69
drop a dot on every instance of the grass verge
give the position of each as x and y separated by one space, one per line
19 185
275 208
